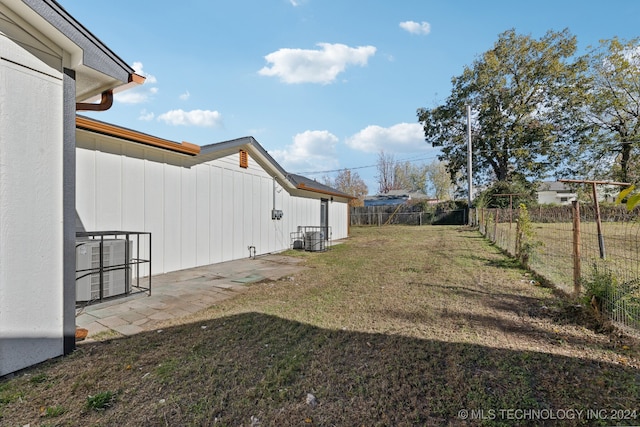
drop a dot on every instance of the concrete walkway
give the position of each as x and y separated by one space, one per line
181 293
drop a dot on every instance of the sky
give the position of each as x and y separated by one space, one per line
322 85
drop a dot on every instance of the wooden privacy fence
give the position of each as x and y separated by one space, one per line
567 247
406 215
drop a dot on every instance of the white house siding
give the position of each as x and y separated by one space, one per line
198 214
549 197
31 207
339 219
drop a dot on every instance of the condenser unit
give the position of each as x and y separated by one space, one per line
314 241
114 270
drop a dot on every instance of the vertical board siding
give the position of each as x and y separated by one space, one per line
85 206
153 211
188 216
266 242
202 214
133 193
227 205
109 191
172 220
338 218
216 243
203 203
237 243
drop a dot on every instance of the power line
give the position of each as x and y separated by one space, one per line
410 160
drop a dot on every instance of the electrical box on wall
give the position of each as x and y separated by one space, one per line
276 214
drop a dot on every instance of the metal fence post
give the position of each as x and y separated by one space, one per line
576 248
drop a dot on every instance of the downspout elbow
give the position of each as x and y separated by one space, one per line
105 103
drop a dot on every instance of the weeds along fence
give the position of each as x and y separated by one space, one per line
406 215
567 246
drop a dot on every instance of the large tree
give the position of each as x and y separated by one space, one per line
385 166
395 175
438 180
525 95
410 177
613 107
349 182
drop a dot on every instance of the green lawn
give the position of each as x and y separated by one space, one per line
397 326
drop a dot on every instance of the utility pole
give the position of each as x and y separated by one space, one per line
469 160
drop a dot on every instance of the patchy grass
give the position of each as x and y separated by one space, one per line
101 401
397 326
52 411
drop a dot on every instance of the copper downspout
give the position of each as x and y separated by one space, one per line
105 103
107 96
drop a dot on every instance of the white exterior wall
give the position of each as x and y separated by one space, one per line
339 219
199 215
553 197
31 209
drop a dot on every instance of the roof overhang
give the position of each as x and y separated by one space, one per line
97 68
303 186
92 125
255 150
197 154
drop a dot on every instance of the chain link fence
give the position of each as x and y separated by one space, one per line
406 215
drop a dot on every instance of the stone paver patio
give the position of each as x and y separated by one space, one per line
181 293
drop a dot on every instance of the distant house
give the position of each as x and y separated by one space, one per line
394 197
556 193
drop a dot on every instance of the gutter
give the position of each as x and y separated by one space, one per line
106 97
301 186
107 129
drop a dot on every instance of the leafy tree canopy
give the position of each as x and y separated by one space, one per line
503 194
612 107
525 95
349 182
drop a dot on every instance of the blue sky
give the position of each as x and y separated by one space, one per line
321 84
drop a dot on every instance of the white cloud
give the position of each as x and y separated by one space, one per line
400 138
312 150
139 94
146 115
133 96
315 66
185 96
422 28
204 118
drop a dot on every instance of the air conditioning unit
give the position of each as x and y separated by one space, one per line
88 269
314 241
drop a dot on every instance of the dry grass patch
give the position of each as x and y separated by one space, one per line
397 326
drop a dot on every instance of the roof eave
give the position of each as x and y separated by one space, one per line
91 59
103 128
302 186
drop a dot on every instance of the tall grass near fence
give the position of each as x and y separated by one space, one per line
600 265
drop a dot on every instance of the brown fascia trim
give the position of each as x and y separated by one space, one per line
130 135
328 193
